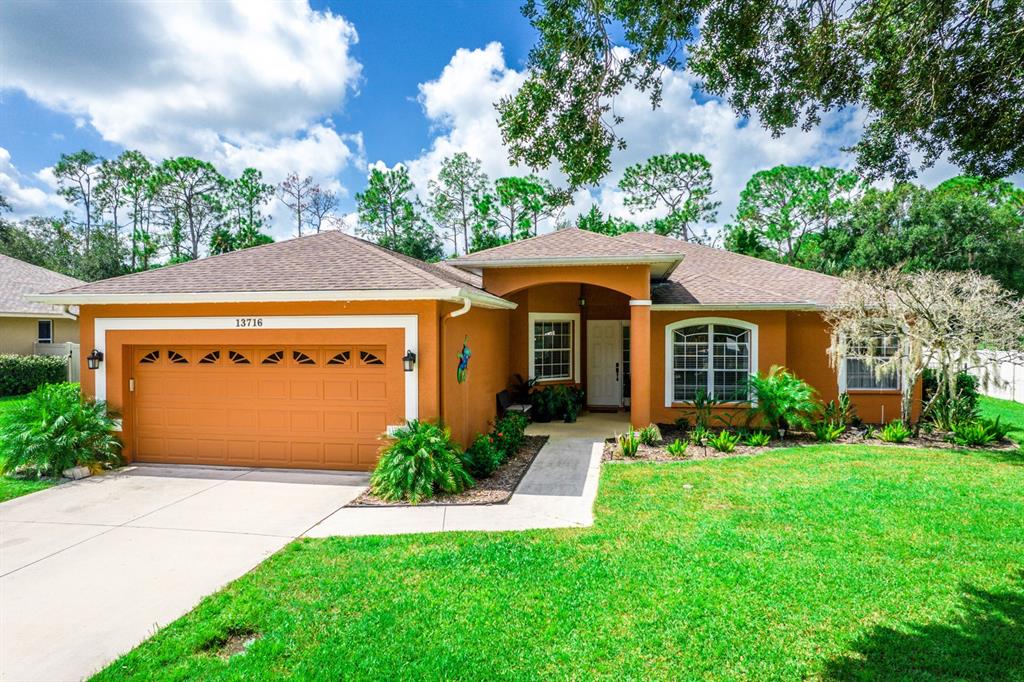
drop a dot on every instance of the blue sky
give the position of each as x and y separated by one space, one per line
324 89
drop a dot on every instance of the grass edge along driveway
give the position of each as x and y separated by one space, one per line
820 562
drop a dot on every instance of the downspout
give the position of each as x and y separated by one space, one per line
466 306
66 310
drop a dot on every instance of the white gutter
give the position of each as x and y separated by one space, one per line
454 295
466 305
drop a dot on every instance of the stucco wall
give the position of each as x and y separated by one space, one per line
18 334
470 406
797 340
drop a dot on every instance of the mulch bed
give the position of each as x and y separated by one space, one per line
669 432
495 489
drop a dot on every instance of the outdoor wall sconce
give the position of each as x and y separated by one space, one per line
409 360
94 359
582 301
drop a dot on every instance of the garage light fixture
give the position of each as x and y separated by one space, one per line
94 359
409 360
582 301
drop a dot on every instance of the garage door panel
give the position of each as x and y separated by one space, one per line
210 451
179 417
307 407
240 386
372 422
306 421
336 421
242 419
340 454
366 454
372 390
307 454
274 452
243 452
339 389
309 389
270 389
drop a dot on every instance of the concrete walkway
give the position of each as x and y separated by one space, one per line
557 492
90 569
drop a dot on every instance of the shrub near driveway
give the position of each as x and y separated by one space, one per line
810 562
53 429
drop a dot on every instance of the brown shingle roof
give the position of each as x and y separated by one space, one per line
329 261
566 245
18 278
709 276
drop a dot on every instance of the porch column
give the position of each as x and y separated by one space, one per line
640 362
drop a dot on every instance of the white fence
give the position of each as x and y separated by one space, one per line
69 351
1006 378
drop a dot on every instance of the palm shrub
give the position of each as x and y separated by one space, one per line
783 399
54 429
724 441
629 443
758 439
650 434
421 462
979 432
698 435
828 431
895 432
676 448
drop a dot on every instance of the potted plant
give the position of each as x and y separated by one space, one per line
573 403
543 402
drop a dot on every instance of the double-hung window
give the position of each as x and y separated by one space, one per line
861 362
711 358
554 347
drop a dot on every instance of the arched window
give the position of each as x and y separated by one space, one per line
710 356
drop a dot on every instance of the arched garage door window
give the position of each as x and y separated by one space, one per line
713 356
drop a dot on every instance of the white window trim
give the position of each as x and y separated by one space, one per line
695 321
38 338
408 323
555 317
843 388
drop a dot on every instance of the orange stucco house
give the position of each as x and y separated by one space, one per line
302 353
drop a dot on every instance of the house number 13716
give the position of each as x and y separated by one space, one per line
248 321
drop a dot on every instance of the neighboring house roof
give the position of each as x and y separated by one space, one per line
714 277
18 279
572 246
326 266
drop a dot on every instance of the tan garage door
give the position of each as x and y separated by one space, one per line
273 406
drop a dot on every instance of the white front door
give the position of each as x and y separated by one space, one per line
604 363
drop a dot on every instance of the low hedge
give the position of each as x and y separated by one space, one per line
21 374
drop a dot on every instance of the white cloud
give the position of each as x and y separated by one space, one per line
237 83
26 200
460 106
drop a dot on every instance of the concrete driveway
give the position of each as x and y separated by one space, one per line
89 569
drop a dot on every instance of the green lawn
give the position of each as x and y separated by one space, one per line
1009 411
822 562
11 488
